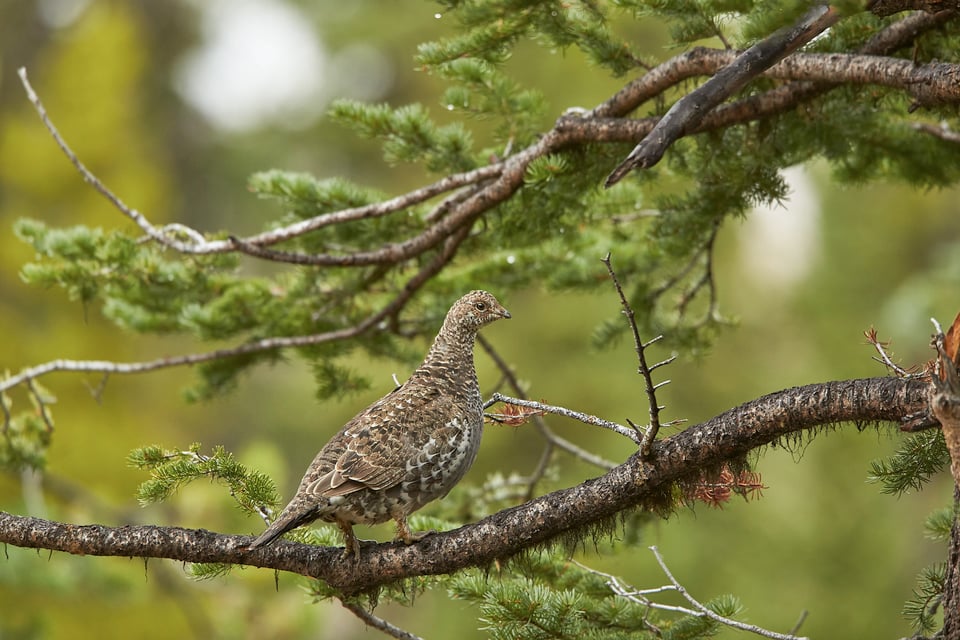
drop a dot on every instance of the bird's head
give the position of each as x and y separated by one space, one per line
476 309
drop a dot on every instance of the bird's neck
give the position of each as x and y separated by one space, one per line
451 353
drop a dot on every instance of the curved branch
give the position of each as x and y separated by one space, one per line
505 177
637 483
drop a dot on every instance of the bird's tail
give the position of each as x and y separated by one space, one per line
289 519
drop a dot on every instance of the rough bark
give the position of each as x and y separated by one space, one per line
637 483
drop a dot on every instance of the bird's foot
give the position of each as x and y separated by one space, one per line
409 537
352 543
417 536
352 548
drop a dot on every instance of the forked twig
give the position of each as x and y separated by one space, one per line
704 611
641 597
646 442
881 347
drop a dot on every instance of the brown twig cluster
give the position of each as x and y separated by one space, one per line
718 490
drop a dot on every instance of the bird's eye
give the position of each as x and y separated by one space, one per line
479 306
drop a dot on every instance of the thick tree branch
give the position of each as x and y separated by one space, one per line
637 483
889 7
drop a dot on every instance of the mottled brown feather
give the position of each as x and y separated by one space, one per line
408 448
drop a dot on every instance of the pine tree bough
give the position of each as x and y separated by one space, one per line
468 196
637 483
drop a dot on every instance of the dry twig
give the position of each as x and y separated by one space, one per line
650 433
377 622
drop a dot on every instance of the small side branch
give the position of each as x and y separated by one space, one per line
642 597
141 221
943 131
567 413
881 347
108 367
377 622
646 443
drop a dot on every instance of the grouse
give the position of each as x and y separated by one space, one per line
406 449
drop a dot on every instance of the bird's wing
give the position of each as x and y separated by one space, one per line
378 443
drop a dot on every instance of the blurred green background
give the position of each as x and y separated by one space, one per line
174 104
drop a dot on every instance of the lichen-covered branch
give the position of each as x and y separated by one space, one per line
637 483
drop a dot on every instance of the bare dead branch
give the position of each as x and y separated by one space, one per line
633 484
640 347
108 367
689 111
642 597
552 439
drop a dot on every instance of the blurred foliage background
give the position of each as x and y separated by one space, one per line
143 91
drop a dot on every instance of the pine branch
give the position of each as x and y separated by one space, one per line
474 193
396 305
634 484
500 179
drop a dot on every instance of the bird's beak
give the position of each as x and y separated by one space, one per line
505 313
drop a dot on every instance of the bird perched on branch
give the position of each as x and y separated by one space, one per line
406 449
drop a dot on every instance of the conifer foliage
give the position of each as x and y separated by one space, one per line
517 201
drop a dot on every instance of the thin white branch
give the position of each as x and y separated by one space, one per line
376 209
639 596
108 367
703 610
567 413
88 176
